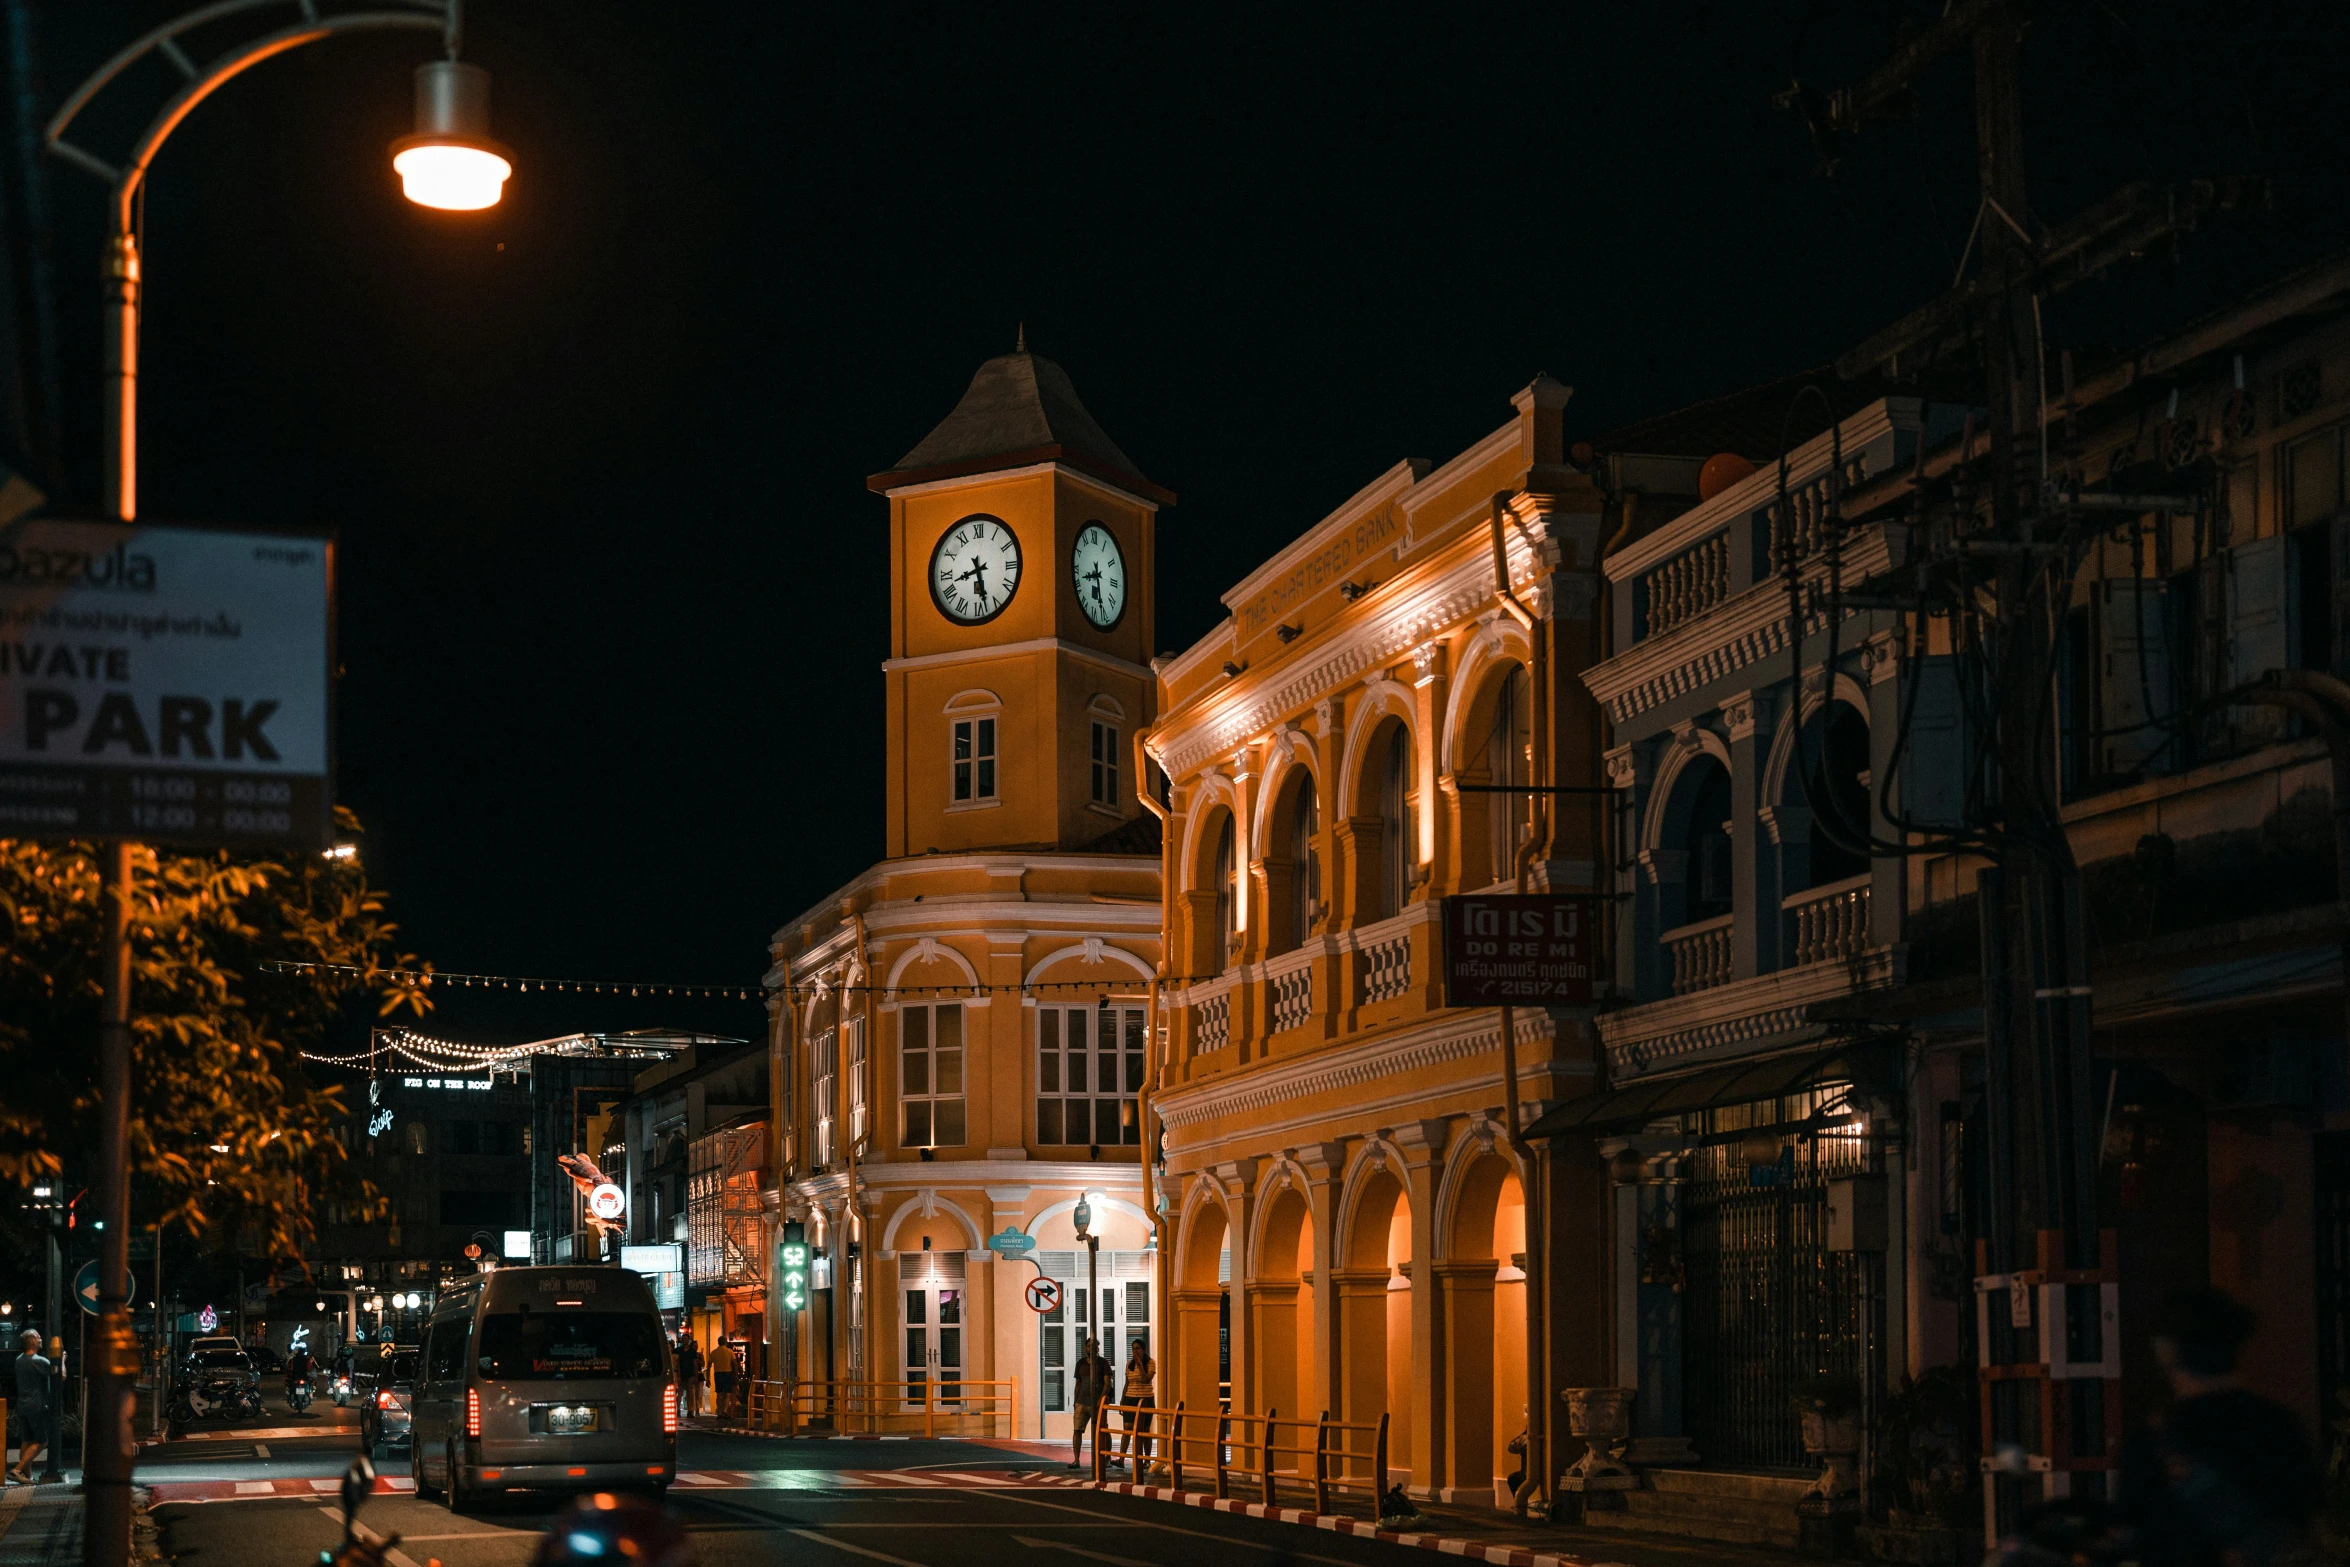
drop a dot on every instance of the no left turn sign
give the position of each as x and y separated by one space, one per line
1044 1295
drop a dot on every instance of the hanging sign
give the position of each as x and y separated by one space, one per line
792 1266
1010 1243
165 684
1505 950
1044 1295
607 1201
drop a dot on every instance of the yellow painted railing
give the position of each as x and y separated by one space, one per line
1322 1455
971 1406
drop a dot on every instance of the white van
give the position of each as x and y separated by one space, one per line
544 1379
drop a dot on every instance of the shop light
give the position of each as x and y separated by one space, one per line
450 162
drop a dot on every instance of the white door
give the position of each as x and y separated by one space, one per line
934 1343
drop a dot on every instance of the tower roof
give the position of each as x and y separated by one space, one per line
1019 409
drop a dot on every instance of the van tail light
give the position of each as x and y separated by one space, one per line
669 1410
473 1411
383 1400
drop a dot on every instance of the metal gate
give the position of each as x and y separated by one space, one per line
1766 1307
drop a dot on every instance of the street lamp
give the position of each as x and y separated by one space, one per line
1083 1219
455 165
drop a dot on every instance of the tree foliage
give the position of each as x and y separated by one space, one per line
225 1124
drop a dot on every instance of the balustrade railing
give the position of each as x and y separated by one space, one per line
1803 526
1828 924
1289 982
1700 954
1212 1026
1688 585
1386 967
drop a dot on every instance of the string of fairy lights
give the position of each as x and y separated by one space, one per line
429 978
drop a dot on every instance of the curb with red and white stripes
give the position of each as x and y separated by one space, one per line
1474 1550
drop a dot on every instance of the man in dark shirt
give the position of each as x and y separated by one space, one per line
2229 1476
35 1391
1092 1385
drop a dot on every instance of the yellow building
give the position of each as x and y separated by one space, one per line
960 1033
1358 739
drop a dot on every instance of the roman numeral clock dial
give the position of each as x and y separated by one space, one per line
1098 571
975 570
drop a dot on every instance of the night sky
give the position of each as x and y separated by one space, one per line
613 597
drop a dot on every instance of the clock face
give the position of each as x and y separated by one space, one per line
1098 571
975 570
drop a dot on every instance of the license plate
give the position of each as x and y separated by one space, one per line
565 1420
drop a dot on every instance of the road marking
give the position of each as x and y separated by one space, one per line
1035 1544
854 1550
260 1449
1197 1534
256 1488
326 1485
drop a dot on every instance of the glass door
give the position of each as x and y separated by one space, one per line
934 1343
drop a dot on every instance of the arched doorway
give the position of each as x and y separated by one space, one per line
1281 1300
1483 1284
1375 1369
1200 1312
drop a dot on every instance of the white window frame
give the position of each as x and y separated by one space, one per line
823 1084
1058 1066
860 1080
974 766
1104 769
919 1048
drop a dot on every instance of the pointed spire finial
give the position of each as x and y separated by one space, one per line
1021 345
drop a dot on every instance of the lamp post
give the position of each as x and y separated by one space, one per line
1083 1219
449 162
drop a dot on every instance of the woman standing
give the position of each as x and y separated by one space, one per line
1142 1380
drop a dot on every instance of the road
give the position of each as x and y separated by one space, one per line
258 1498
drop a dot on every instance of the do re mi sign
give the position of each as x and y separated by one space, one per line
1505 950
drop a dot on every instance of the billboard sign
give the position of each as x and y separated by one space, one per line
1508 950
166 684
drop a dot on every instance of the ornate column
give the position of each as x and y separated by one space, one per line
1746 720
1430 682
1238 1178
1423 1143
1880 662
1325 1167
1464 1287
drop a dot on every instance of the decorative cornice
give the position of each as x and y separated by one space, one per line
1740 1018
1718 644
973 655
1285 1079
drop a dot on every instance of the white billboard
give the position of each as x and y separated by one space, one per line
165 683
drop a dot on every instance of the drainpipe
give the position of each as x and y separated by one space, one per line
1147 1101
1537 1481
863 1330
2325 702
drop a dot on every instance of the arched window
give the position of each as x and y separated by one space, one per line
1706 837
1835 760
1509 765
1305 858
1396 845
1227 896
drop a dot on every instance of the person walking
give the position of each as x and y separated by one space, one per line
689 1374
35 1392
2227 1478
1091 1387
721 1378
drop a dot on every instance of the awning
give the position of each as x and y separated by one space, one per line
1647 1100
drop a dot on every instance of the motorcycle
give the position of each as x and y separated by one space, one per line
342 1390
298 1395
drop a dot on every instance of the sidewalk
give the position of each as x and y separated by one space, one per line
41 1525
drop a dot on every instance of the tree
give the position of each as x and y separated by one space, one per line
238 966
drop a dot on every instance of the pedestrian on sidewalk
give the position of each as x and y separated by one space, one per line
689 1374
722 1377
1142 1382
35 1391
1092 1385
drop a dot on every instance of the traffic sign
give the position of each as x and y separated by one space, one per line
1009 1242
1044 1295
85 1287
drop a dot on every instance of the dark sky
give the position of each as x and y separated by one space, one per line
612 586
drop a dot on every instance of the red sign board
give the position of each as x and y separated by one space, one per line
1044 1295
1506 950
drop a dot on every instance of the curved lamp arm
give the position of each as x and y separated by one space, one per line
441 16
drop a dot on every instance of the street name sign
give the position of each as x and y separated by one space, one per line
171 685
1011 1244
1510 950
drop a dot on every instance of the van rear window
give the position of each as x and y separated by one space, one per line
569 1345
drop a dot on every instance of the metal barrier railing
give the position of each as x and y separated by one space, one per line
1341 1455
968 1406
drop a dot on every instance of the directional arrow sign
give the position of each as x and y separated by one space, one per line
85 1287
1036 1544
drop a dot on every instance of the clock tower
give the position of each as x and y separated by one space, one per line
1021 622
